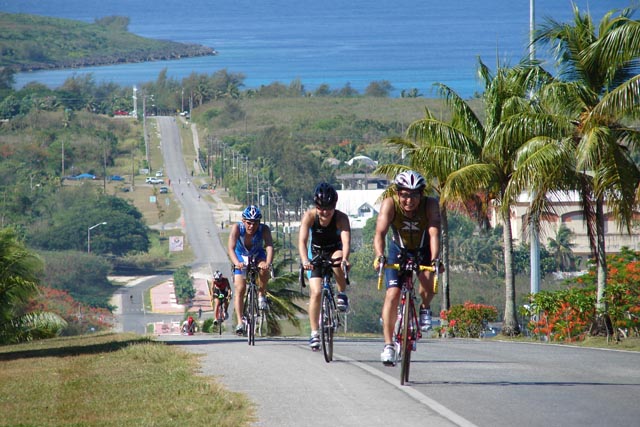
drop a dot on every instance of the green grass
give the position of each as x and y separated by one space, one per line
112 380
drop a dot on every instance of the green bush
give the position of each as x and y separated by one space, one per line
467 320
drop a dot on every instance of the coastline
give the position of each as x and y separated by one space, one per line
190 51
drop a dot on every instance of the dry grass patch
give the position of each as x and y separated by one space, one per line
111 380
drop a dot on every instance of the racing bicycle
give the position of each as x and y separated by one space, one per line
255 318
220 313
330 318
407 331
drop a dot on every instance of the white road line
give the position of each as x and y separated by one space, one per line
415 394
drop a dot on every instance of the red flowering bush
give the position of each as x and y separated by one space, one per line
567 315
80 318
467 320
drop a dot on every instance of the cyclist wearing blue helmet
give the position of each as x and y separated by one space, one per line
249 238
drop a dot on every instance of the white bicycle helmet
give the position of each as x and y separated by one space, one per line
410 180
217 275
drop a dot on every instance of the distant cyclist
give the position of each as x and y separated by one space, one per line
189 326
330 235
249 238
220 287
415 223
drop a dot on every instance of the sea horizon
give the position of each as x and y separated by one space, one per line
410 43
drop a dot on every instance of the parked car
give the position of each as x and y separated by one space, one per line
84 176
159 174
204 187
115 178
154 180
164 190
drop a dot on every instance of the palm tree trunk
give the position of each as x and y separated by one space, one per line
510 326
444 221
602 322
601 258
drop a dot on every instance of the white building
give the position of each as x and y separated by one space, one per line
359 205
567 211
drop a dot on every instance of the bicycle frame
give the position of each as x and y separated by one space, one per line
329 320
219 315
407 328
251 299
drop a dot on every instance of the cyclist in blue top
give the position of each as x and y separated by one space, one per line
249 238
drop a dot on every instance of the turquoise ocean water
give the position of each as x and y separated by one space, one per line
411 43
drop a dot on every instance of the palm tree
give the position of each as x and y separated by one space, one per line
490 170
560 247
18 283
436 148
471 160
583 143
281 299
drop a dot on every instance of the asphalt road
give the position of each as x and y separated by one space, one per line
453 382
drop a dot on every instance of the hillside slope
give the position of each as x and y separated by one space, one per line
31 42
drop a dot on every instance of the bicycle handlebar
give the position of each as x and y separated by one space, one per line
419 267
320 261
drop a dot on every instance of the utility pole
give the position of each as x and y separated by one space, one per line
533 223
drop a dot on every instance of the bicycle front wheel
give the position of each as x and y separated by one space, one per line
326 325
252 313
220 316
406 345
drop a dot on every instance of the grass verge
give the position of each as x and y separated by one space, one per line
111 380
628 344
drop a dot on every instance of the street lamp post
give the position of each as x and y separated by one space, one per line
89 235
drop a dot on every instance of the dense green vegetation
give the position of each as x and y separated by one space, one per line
31 42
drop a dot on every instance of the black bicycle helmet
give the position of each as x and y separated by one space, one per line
325 196
252 213
410 180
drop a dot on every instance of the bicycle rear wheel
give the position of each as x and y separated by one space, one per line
252 311
326 326
405 345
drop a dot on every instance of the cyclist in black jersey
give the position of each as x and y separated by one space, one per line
330 234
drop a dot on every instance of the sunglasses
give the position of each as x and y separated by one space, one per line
409 194
325 208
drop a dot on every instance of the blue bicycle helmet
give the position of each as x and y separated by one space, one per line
252 213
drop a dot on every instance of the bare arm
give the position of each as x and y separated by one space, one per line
433 212
345 234
385 216
268 244
303 235
231 245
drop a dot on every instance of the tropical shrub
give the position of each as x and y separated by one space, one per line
467 320
78 318
567 315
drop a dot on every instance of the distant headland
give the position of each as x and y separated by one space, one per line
33 42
